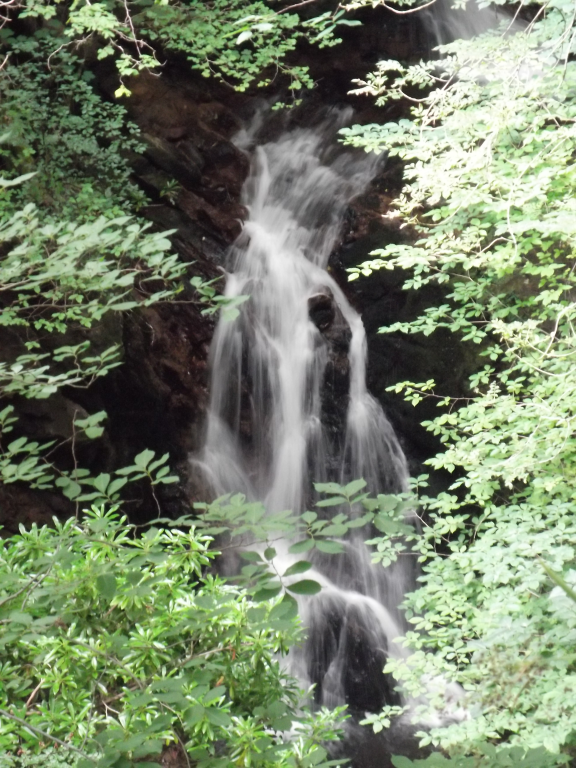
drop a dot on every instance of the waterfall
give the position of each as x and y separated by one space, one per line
446 23
289 403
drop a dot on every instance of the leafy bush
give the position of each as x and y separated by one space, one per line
118 641
234 40
231 39
514 757
490 198
50 758
56 277
58 128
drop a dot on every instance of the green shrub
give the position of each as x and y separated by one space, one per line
489 197
118 641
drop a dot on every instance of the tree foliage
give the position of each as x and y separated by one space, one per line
489 194
237 41
116 642
119 641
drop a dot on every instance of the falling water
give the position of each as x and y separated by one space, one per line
289 403
446 23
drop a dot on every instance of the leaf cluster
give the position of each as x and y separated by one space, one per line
117 641
489 156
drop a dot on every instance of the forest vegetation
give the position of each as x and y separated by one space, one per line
117 641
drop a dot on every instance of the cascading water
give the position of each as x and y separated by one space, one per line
273 427
446 23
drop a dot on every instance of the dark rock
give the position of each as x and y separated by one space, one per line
335 335
322 310
382 301
211 217
366 749
20 505
185 167
346 651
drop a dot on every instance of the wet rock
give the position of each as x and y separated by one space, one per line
366 687
346 652
185 166
366 749
188 133
212 217
381 301
335 336
322 310
20 505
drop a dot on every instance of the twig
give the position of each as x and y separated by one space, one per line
410 10
33 694
209 653
17 594
40 732
296 5
74 458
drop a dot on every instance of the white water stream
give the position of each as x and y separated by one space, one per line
270 434
446 23
267 435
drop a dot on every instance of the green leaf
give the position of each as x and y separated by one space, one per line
94 432
330 547
18 180
18 617
305 587
286 609
352 488
334 501
70 489
143 459
215 693
194 715
300 567
302 546
101 482
329 488
116 485
335 530
219 718
243 37
251 556
106 585
266 593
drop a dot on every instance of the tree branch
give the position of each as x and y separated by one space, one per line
44 735
410 10
296 5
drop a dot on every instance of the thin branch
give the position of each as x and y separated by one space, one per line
296 5
410 10
44 735
208 653
33 694
17 594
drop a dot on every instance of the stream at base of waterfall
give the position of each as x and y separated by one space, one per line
289 404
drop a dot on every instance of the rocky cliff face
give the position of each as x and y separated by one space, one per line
193 175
